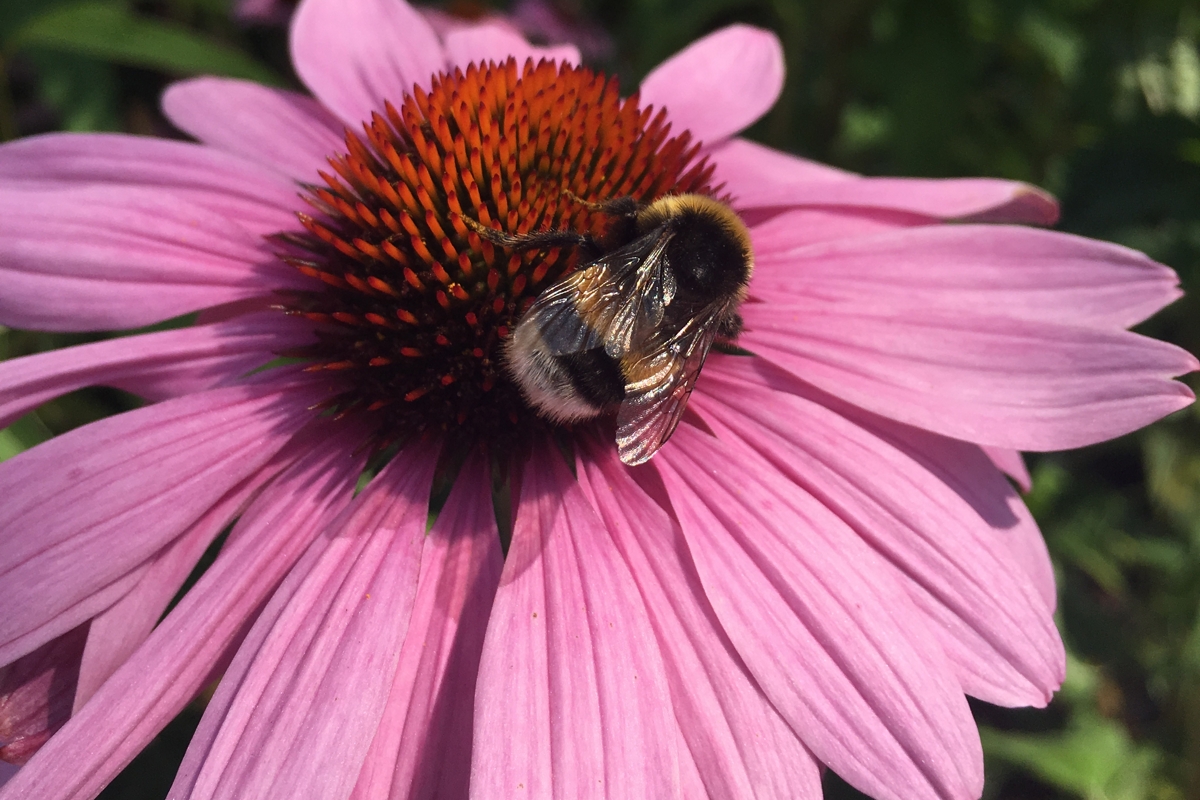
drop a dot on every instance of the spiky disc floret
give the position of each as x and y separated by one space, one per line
414 305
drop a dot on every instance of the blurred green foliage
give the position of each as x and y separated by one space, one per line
1096 100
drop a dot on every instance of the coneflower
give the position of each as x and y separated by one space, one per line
427 589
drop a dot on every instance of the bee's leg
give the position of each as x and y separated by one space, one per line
730 326
537 240
616 207
623 227
728 329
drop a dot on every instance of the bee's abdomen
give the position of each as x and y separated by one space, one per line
596 376
565 387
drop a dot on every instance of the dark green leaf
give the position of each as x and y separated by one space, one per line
1095 759
111 32
22 435
82 90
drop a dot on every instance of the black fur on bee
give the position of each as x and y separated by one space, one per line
629 330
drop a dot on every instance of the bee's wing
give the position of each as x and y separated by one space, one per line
657 392
615 301
558 320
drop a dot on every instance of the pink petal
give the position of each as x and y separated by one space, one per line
493 42
1011 383
119 630
1011 464
735 740
299 706
154 365
242 344
36 692
571 701
690 781
985 269
197 638
969 471
962 466
983 609
1029 548
718 85
354 56
758 176
99 258
422 749
746 166
823 626
87 508
776 231
284 130
252 197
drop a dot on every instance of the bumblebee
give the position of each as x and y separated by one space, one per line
629 330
